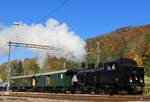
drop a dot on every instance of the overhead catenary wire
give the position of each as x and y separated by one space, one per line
26 45
54 10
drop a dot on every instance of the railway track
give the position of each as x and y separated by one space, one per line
78 97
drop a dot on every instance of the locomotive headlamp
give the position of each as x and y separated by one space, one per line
136 78
130 80
141 80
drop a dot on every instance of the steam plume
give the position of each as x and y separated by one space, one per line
52 33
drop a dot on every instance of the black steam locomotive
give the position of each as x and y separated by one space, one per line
117 77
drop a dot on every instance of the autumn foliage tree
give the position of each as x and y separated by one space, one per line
146 58
30 66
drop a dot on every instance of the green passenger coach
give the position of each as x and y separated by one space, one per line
46 82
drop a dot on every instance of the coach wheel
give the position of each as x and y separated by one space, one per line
110 91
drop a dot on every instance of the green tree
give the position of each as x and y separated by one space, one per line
3 72
19 68
34 68
16 68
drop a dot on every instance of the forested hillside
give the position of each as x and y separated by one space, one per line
129 42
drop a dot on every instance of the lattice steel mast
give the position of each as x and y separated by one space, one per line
26 45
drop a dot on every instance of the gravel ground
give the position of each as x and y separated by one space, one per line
18 99
45 97
24 99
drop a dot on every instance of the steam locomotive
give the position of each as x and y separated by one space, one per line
117 77
121 76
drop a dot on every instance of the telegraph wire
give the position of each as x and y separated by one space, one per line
55 9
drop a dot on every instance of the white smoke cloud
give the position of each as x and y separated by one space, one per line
52 33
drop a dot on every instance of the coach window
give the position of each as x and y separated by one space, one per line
33 82
48 77
61 76
25 81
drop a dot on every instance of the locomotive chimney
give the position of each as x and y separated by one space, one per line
83 66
